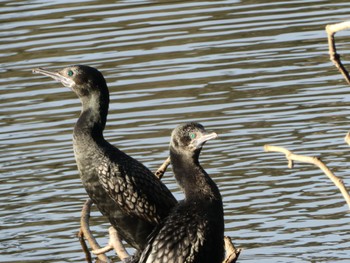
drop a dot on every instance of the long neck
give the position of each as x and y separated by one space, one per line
93 117
192 178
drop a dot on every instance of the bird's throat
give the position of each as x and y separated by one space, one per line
92 119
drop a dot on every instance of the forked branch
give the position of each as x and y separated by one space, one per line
85 233
334 56
290 156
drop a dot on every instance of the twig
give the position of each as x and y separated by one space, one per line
162 169
313 160
114 238
84 246
334 56
114 243
347 138
232 253
85 230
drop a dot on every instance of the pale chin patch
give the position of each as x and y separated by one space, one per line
67 82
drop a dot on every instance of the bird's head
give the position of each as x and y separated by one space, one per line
83 80
190 137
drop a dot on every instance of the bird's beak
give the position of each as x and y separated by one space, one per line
198 142
68 82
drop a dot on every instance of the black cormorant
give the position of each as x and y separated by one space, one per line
194 230
123 189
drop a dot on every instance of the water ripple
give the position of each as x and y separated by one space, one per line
255 73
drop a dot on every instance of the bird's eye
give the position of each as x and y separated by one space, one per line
192 135
70 73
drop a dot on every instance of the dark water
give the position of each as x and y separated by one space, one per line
255 72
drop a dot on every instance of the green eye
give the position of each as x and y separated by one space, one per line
70 73
192 135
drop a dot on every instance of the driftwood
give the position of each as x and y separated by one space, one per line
334 56
115 241
291 157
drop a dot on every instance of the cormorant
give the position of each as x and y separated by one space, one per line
123 189
194 230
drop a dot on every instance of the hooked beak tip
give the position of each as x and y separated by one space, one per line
206 137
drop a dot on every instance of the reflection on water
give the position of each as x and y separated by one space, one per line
255 73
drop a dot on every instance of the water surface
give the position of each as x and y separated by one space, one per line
254 72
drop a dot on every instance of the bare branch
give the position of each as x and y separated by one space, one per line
85 230
114 243
232 253
117 244
313 160
162 169
334 56
333 28
347 138
114 239
84 246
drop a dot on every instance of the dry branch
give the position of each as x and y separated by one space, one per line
313 160
161 170
334 56
86 233
347 138
232 253
115 243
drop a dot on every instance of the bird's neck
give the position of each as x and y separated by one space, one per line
93 117
192 178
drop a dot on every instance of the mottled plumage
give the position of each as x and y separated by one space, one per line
123 189
194 230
